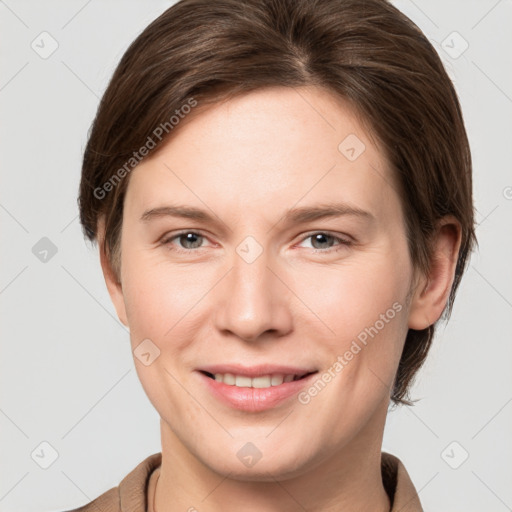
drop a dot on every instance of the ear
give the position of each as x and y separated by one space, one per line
114 286
432 291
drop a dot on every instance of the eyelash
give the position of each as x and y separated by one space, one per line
343 243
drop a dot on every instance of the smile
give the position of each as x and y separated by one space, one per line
264 389
261 382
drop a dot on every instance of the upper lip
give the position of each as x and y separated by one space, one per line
258 370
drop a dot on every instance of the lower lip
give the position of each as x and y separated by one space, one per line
254 399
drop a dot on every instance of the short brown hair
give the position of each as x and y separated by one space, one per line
366 52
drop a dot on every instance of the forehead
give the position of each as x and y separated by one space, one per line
290 144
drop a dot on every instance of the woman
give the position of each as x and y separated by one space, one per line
233 141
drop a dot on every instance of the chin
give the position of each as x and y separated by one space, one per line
246 462
260 472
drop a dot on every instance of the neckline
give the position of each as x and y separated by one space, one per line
153 481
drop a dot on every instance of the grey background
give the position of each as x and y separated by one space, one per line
67 374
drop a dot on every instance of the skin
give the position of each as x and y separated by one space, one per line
246 161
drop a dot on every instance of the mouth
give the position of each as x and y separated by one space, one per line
257 388
260 382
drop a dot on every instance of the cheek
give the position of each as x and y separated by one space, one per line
158 296
363 306
353 295
161 305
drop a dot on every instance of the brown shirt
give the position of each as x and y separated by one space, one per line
136 490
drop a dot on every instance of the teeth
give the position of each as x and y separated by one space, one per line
276 380
242 382
264 381
228 378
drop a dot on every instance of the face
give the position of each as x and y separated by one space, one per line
266 242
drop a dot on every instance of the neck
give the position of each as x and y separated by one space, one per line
349 479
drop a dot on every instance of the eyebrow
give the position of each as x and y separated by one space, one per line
298 215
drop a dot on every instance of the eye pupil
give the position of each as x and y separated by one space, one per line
189 238
318 237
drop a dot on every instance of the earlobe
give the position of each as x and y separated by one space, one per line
114 285
433 290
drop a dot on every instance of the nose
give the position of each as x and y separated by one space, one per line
255 302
